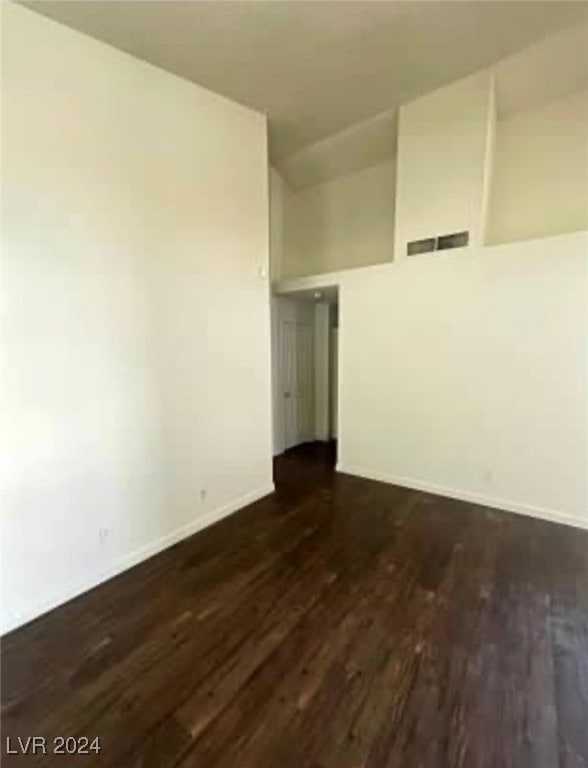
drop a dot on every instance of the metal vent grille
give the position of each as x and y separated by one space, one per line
422 246
440 243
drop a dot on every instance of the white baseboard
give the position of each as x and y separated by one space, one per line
74 589
505 505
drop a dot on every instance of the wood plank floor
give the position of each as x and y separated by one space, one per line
339 623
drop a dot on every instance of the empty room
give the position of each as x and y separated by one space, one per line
294 361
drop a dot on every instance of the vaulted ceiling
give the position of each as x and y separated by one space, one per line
317 68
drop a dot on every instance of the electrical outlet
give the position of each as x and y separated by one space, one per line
103 534
203 493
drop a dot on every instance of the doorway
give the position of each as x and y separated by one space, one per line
304 368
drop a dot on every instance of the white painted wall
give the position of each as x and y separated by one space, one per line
276 207
540 182
136 354
466 373
443 162
551 68
345 223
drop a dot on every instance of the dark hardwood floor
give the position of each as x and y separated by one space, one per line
339 623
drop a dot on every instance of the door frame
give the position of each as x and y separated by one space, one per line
283 307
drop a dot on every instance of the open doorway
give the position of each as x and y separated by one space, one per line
305 343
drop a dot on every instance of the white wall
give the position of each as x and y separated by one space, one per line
347 222
276 207
466 373
540 183
443 162
135 223
551 68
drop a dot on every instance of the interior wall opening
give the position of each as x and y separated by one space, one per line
305 344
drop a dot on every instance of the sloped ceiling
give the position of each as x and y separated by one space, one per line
319 68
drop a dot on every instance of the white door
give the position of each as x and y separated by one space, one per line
296 368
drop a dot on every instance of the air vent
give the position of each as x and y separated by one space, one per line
441 243
422 246
456 240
